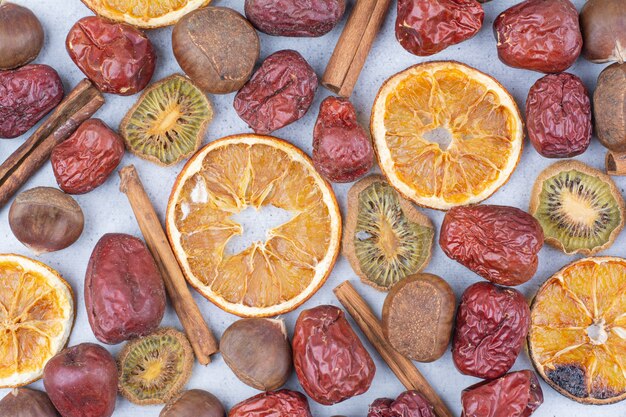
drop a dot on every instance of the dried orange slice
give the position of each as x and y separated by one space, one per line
145 14
446 134
268 277
577 339
36 318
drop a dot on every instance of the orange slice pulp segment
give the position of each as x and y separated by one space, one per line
268 277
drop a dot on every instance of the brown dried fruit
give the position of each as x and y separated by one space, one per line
87 158
21 36
342 151
295 17
603 24
217 48
386 238
517 394
82 381
558 116
499 243
124 293
408 404
283 403
45 219
417 317
331 363
194 403
539 35
425 27
117 57
491 326
258 352
27 94
279 93
609 107
24 402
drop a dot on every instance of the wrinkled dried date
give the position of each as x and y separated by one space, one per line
279 93
283 403
117 57
517 394
294 17
558 116
425 27
26 95
331 363
85 160
499 243
342 151
408 404
124 293
539 35
491 325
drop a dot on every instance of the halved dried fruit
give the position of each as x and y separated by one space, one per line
577 339
154 368
579 208
36 318
145 14
386 238
446 134
267 277
168 121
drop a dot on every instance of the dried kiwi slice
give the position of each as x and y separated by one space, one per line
154 368
386 238
168 121
580 208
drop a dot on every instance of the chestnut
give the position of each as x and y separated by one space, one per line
258 351
603 25
609 107
194 403
24 402
45 219
21 36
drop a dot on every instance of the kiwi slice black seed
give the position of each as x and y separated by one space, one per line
168 121
386 238
155 368
580 208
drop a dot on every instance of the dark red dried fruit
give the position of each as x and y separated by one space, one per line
499 243
283 403
517 394
331 363
124 293
85 160
294 17
117 57
408 404
558 116
82 381
539 35
27 94
425 27
342 151
279 93
491 326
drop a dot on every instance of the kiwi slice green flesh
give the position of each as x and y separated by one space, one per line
578 207
168 121
155 368
387 239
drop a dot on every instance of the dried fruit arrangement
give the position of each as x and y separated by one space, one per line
445 136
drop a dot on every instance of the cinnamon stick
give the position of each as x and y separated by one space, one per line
202 340
79 105
355 42
615 163
404 368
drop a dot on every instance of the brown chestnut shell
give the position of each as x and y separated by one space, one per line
21 36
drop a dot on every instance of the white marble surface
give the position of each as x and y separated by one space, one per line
107 210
